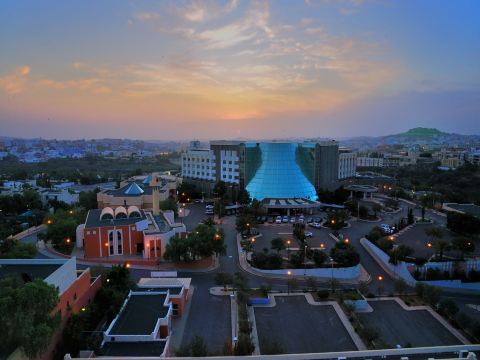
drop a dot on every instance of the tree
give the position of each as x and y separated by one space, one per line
400 253
448 307
198 347
14 249
345 254
169 204
244 345
223 279
436 234
220 189
299 232
463 223
243 197
27 319
464 245
376 208
432 294
312 283
410 218
88 199
362 212
277 244
244 222
61 231
319 257
400 286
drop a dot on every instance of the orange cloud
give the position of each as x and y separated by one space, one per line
15 82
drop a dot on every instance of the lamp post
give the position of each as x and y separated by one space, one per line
331 279
288 249
305 261
289 273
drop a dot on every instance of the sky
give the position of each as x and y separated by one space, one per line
171 70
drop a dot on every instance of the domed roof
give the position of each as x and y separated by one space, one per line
134 189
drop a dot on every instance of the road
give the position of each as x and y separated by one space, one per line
210 317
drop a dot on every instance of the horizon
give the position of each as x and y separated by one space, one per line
238 69
339 138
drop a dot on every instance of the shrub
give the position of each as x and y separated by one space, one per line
323 294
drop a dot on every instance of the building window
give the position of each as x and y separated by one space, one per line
119 242
88 232
94 232
111 247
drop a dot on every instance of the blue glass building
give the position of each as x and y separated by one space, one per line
280 170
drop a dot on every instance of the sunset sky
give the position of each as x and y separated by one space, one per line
237 69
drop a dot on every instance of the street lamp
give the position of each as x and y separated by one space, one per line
331 279
289 273
322 246
288 249
305 261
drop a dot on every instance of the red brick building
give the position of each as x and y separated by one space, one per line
76 288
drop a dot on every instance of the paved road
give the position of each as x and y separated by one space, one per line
210 317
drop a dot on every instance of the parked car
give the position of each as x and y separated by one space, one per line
271 220
285 219
292 220
317 219
260 220
316 225
309 220
278 220
308 234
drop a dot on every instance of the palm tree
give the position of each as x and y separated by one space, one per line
436 235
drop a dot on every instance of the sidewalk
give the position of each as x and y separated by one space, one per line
201 266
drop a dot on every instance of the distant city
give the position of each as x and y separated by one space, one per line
383 151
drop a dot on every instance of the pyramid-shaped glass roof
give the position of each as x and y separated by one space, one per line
134 189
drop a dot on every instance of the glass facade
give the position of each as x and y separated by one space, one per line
280 170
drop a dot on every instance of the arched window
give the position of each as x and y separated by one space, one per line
119 242
110 243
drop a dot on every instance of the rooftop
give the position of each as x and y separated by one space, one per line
93 219
140 314
147 348
174 290
28 271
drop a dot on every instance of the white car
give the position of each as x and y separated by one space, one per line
292 220
285 219
308 234
316 225
278 220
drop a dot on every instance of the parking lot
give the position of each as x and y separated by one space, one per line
302 328
397 326
285 231
418 241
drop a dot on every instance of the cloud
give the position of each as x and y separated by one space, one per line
253 25
313 31
201 11
15 82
